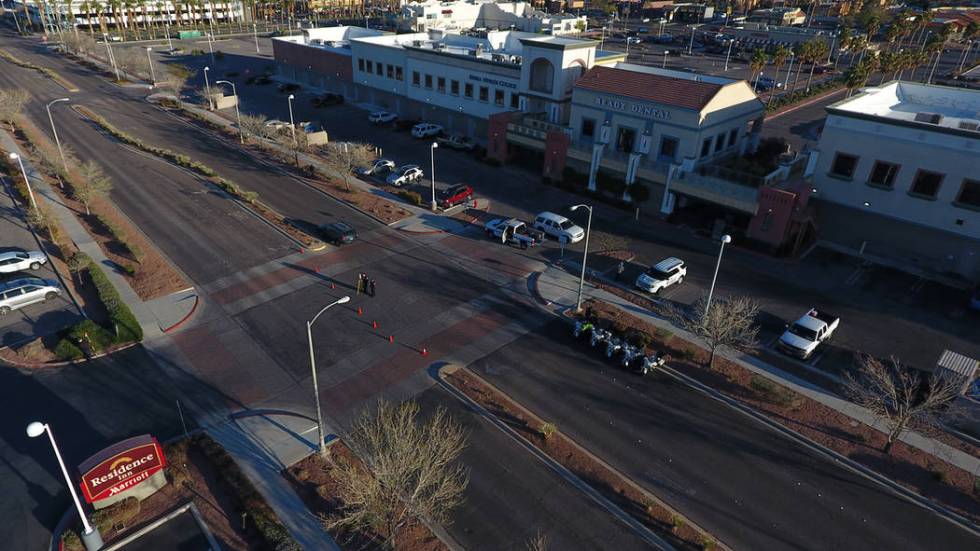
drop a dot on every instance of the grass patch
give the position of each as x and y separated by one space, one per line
774 393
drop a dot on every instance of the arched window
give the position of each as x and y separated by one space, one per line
542 76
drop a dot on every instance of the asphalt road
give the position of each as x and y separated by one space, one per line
749 486
512 496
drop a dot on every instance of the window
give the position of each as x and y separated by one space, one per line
844 166
484 93
468 90
390 71
498 97
732 137
431 15
668 149
625 138
360 65
428 81
926 184
454 87
706 147
399 76
969 194
515 100
416 78
370 66
719 142
883 174
441 85
379 68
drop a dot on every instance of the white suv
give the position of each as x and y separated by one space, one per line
18 261
662 275
426 129
18 293
558 226
381 117
407 174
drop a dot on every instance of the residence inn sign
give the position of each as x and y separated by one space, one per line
121 471
632 108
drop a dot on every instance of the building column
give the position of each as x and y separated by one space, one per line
556 151
667 203
641 148
597 149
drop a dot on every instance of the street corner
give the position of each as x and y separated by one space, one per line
174 311
429 224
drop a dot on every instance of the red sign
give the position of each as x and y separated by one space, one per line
120 467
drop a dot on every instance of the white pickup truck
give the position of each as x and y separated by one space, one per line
512 230
804 335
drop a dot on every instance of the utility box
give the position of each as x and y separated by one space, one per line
222 101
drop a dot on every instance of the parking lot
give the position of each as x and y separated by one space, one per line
39 319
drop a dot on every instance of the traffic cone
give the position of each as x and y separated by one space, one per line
391 339
374 325
332 286
317 268
359 311
302 250
425 351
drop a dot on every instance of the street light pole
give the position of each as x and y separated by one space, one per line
170 41
27 181
90 536
690 48
207 88
54 131
665 58
153 78
432 152
255 35
211 49
792 56
585 256
112 59
238 115
729 54
292 125
316 389
725 239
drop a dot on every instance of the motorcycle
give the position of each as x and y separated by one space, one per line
652 362
599 336
582 328
613 346
630 354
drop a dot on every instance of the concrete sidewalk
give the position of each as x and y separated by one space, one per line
559 289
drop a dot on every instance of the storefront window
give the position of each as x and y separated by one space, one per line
360 65
390 71
441 85
399 76
416 78
454 87
428 81
484 93
668 149
515 100
732 137
588 128
498 97
468 90
706 147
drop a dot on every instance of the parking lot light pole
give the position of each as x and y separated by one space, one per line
153 78
30 192
321 445
666 52
54 131
729 54
690 47
207 88
170 41
238 115
292 125
585 255
792 56
725 239
255 35
432 175
90 536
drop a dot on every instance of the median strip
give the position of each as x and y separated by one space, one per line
50 73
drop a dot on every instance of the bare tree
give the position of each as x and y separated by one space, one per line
12 102
900 397
133 61
729 323
410 472
254 125
345 158
176 79
537 543
92 184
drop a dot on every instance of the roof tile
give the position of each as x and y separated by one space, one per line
679 92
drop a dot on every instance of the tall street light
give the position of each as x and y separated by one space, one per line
666 52
90 535
30 192
432 175
729 54
292 125
238 115
112 58
207 88
585 255
170 41
316 389
255 35
725 239
153 79
55 131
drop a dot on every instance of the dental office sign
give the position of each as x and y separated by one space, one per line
632 108
121 468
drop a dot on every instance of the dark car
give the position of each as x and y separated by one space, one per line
455 195
327 99
288 87
338 233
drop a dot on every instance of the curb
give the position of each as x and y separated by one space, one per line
69 362
197 300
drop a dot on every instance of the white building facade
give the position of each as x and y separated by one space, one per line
895 177
461 15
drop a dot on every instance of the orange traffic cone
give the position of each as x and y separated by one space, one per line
425 352
374 325
359 311
391 339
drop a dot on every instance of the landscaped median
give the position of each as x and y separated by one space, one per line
43 70
610 483
248 198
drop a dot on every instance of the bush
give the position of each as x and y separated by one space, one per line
67 351
94 334
197 51
412 197
548 430
124 323
119 513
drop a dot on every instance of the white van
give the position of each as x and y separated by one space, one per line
18 293
558 226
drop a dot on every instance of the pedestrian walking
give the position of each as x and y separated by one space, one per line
372 288
619 271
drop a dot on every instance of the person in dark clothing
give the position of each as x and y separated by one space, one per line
371 287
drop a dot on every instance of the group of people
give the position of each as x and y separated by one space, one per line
365 284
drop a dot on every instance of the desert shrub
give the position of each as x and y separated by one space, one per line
412 197
94 334
548 430
124 323
67 351
118 514
774 393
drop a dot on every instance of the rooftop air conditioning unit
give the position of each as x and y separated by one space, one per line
931 118
970 125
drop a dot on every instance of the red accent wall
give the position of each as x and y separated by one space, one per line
328 63
555 151
497 135
772 220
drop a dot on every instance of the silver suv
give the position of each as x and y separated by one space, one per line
18 293
19 260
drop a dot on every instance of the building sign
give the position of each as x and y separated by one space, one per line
493 81
121 467
632 108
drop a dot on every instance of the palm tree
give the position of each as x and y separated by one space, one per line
856 76
818 52
872 27
758 61
779 57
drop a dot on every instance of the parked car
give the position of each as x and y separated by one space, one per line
338 233
276 125
455 141
426 130
663 39
515 230
633 40
661 275
18 293
288 87
382 117
558 226
407 174
378 168
19 261
454 195
263 79
327 99
803 337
